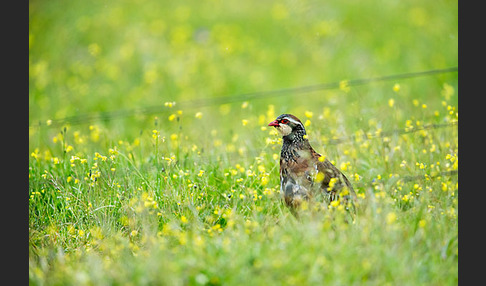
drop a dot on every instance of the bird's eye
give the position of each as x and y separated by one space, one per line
284 121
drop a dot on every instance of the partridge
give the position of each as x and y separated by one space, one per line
304 173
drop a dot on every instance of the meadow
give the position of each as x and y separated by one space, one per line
151 162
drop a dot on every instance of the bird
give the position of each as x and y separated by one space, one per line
304 173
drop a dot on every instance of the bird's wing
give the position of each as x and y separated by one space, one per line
330 171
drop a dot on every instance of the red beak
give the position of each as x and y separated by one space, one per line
274 123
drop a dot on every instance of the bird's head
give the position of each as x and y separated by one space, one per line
288 125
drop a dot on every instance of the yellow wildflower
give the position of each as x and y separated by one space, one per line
344 85
396 87
35 154
332 182
265 180
422 223
261 168
335 203
170 104
391 217
344 166
320 177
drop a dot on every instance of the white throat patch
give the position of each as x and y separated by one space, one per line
284 129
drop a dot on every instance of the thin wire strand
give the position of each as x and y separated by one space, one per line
204 102
383 134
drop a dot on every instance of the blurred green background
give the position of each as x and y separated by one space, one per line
103 56
123 63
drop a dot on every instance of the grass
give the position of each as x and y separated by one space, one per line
190 195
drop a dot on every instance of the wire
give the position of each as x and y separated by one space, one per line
411 178
390 132
203 102
407 178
